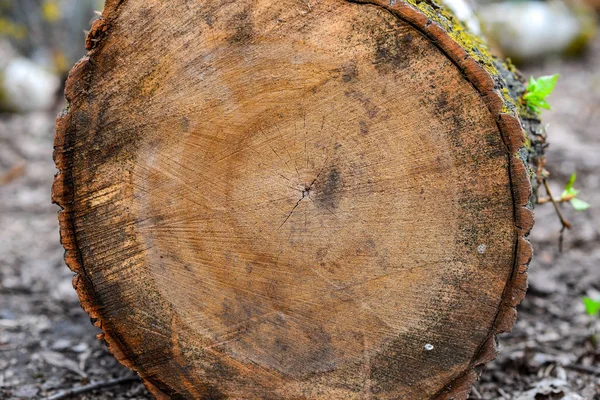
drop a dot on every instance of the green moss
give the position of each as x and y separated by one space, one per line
527 143
510 66
509 84
474 46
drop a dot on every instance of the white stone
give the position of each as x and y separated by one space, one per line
28 87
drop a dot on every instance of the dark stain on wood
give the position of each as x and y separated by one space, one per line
349 71
393 52
328 192
243 28
371 109
364 128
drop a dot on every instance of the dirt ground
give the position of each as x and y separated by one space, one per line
47 343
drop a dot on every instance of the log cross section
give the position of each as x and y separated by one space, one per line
292 199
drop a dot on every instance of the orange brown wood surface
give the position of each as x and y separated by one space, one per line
291 199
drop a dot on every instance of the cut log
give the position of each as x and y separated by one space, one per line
291 199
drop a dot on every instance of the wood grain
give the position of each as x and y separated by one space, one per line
284 199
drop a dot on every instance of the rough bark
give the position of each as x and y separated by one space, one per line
284 199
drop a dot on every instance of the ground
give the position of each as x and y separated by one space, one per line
47 343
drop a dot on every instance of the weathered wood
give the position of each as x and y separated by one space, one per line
291 199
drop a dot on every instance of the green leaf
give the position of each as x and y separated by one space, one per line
579 205
592 307
538 90
569 189
543 104
545 85
571 182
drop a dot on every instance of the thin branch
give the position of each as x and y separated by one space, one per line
63 394
544 200
561 239
563 221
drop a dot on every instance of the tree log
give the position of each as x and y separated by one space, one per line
293 199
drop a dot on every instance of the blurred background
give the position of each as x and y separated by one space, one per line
47 344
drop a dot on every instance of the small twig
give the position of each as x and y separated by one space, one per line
583 368
63 394
544 200
561 238
563 221
541 164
